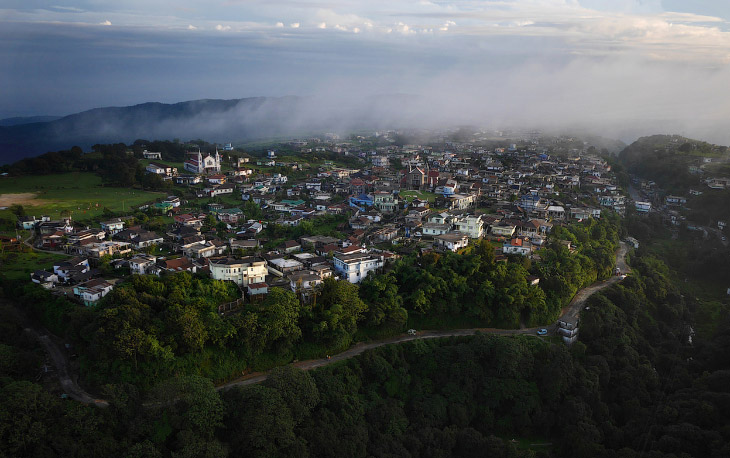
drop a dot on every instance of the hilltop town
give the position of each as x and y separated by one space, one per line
233 219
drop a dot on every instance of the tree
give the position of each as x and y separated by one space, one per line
297 388
197 406
339 308
258 422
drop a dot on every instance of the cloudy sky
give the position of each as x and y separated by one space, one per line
624 65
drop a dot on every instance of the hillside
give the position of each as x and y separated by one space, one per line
666 159
236 120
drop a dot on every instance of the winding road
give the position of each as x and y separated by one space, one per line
571 310
74 391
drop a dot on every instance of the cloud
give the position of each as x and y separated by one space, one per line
223 28
322 25
294 25
279 24
107 22
192 27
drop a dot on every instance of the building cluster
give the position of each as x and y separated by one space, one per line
421 197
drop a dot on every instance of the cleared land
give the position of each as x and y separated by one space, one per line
82 194
20 198
410 195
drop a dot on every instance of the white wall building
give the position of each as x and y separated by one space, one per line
241 271
354 267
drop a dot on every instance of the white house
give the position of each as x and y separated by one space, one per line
112 226
243 271
471 225
520 246
143 264
453 241
353 267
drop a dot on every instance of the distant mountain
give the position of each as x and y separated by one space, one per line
212 120
7 122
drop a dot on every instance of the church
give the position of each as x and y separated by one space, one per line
197 163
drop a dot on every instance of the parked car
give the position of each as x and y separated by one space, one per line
542 332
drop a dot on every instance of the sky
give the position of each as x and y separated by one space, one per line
618 67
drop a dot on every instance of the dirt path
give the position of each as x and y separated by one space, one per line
573 309
60 362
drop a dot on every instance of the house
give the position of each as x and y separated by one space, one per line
460 201
452 241
517 245
556 212
219 190
216 179
281 266
112 226
290 246
44 278
182 264
151 155
241 271
385 202
434 229
502 229
161 169
108 248
143 264
257 290
27 222
304 283
354 266
643 207
416 178
203 165
189 220
65 270
204 249
229 215
675 200
471 225
188 179
91 291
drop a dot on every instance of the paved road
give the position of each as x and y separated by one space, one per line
573 309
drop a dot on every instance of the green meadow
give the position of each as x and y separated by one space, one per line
82 194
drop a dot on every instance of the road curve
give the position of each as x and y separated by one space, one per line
573 310
75 392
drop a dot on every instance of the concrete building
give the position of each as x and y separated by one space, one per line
241 271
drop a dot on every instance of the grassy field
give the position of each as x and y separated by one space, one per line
80 193
19 266
410 195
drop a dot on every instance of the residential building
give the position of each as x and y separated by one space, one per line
471 225
143 264
385 202
243 271
452 241
356 265
91 291
112 226
161 169
517 245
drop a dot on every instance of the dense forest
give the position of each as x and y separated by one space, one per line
634 385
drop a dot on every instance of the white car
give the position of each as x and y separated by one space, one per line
411 332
